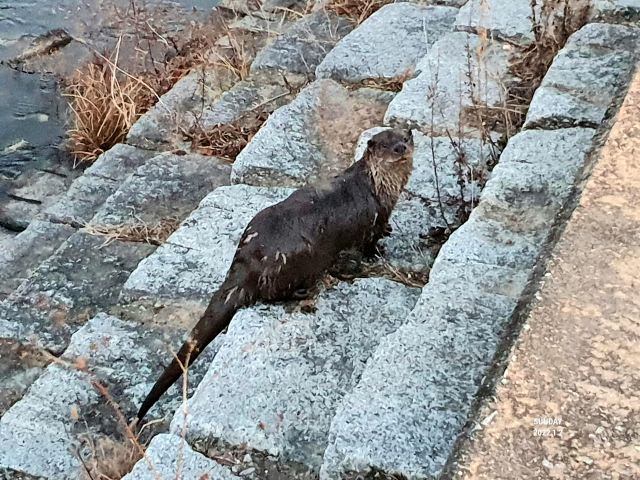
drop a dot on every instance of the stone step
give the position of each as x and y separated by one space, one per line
167 455
616 11
31 194
167 187
507 20
174 284
84 276
242 98
87 272
215 96
404 419
85 196
388 45
300 49
23 253
589 72
158 128
88 192
166 125
278 377
441 99
312 137
58 427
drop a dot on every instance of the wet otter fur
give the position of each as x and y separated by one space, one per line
289 245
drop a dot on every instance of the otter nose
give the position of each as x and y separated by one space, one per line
400 148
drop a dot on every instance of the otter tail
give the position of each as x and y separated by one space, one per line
222 307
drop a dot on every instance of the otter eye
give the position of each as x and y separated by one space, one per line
405 139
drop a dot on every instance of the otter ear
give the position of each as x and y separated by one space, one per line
371 143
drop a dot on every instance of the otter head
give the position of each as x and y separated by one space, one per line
389 157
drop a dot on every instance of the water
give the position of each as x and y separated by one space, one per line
32 110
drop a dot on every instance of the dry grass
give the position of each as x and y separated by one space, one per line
352 265
236 53
557 21
227 141
108 95
104 105
388 84
111 460
404 276
138 232
357 10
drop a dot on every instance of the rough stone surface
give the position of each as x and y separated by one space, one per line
41 434
587 74
404 420
535 176
195 259
312 137
278 377
27 250
163 453
302 46
20 366
159 128
616 11
510 20
89 192
84 276
6 236
388 44
408 245
119 162
35 194
167 187
441 99
82 200
244 97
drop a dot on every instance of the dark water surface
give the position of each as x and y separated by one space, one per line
32 110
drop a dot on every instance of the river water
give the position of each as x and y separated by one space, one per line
32 110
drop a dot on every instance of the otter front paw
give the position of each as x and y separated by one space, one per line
373 250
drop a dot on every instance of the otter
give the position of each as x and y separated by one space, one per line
288 246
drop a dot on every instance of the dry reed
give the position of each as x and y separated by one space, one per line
227 141
104 105
356 10
137 232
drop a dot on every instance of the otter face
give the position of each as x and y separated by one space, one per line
393 145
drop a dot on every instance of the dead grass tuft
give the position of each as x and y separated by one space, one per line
111 460
356 10
227 141
104 104
236 52
388 84
108 95
138 232
404 276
